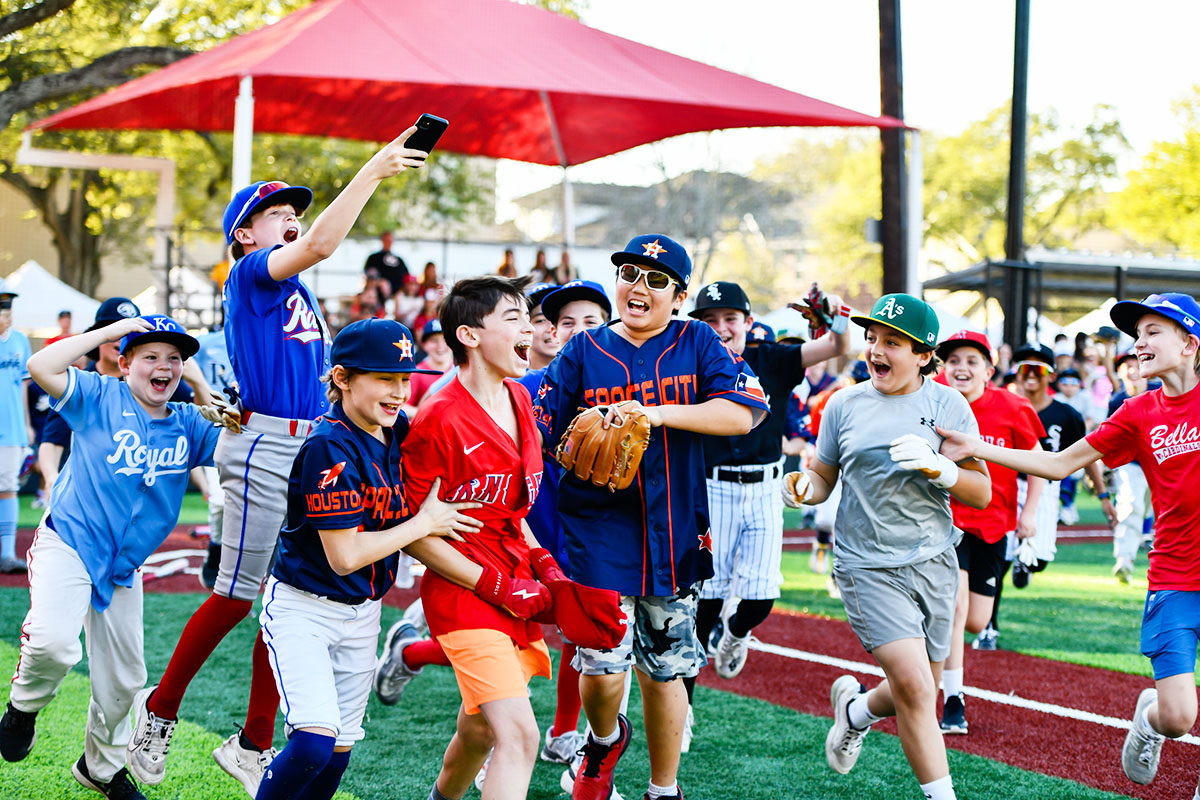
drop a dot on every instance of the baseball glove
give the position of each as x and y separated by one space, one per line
223 414
605 456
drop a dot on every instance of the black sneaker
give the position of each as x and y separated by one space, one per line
17 734
954 715
212 565
1020 574
121 787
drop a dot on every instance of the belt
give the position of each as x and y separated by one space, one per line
747 475
277 425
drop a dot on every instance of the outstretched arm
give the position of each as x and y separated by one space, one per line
1054 466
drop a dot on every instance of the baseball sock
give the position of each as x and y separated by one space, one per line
434 794
859 712
952 681
995 621
426 651
610 738
306 755
8 527
264 699
215 617
654 791
566 713
326 783
749 615
941 789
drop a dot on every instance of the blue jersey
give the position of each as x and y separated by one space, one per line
342 478
118 496
213 360
278 342
652 538
14 352
543 515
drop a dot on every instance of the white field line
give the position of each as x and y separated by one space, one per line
864 668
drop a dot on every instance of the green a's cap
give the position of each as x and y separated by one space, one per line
910 315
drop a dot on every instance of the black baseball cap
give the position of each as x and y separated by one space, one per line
1033 351
376 345
114 309
720 294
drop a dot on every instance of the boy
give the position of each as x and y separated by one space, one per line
650 542
279 349
114 503
16 433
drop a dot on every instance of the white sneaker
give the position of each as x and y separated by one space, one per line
415 615
482 774
1123 569
146 753
731 653
689 722
1143 746
844 742
562 748
391 673
248 766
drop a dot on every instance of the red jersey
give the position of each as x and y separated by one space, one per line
419 383
453 438
1163 435
1005 420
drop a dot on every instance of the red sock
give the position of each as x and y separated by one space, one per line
215 617
426 651
264 699
566 715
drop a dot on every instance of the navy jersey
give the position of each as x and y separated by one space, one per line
780 368
342 478
652 538
277 340
543 515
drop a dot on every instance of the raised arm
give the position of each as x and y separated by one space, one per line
48 367
1054 466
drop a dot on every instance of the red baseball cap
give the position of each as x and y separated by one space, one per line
970 338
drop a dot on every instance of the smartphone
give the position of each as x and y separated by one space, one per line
429 130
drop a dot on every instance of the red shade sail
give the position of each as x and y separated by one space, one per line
506 75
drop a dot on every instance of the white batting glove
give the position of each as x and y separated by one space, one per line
221 413
796 488
1025 553
912 452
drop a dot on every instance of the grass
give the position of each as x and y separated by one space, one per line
193 512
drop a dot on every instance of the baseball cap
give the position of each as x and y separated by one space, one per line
552 304
657 252
967 338
250 198
164 329
430 328
114 309
760 332
1033 351
66 312
376 345
5 289
910 315
1123 357
537 293
1108 332
860 372
1070 373
721 294
1176 306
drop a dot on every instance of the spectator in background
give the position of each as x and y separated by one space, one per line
564 273
1064 355
15 432
1003 365
429 309
372 300
409 302
430 282
387 264
541 272
437 356
64 327
508 267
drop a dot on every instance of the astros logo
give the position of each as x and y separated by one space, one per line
405 346
653 249
329 477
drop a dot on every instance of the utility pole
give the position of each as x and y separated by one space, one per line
1018 286
893 230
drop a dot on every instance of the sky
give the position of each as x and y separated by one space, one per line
958 65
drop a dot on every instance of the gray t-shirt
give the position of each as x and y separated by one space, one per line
889 517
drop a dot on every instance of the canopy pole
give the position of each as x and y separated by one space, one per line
914 231
243 133
568 194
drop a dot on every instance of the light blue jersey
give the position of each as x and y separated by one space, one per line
213 360
14 352
118 496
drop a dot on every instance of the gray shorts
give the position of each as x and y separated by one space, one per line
911 602
660 638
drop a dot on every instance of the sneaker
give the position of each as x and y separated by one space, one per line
1123 569
1020 574
13 566
247 765
392 674
146 753
594 781
17 733
482 774
832 587
714 638
689 722
986 640
844 741
567 781
954 715
818 559
562 748
211 566
1140 753
121 787
731 654
415 615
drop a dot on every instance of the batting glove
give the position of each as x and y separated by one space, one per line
912 452
1026 554
796 487
521 597
544 566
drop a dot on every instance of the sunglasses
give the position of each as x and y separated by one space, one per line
1027 368
1068 382
656 280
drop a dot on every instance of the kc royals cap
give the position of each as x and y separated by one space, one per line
164 329
1033 351
1181 308
263 193
911 316
553 303
537 293
430 328
966 338
376 345
720 294
657 252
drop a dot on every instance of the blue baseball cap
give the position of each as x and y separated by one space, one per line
859 372
263 193
376 345
552 304
166 330
760 332
657 252
537 293
430 328
1181 308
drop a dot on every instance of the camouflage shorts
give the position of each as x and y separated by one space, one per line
660 639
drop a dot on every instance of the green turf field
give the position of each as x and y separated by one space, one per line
194 511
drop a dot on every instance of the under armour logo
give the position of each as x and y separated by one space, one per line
714 292
930 423
891 308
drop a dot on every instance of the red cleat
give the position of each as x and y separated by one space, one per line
595 778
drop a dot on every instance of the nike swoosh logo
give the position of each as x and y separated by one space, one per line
128 413
468 450
525 594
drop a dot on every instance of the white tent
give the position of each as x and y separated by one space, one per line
41 297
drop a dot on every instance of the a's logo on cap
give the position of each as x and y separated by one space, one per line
891 308
653 249
405 346
714 291
127 309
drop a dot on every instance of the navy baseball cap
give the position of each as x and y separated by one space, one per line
114 309
270 193
430 328
720 294
760 332
552 304
376 345
860 372
537 293
1033 351
166 330
657 252
1176 306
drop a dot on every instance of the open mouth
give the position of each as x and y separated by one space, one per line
881 370
638 306
160 384
522 350
390 408
291 234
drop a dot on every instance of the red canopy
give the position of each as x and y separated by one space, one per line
504 74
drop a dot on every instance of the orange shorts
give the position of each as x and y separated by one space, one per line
489 666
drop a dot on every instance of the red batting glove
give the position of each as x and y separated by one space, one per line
544 566
520 597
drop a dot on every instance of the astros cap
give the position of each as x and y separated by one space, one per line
967 338
911 316
553 303
166 330
760 332
376 345
1181 308
720 294
657 252
250 198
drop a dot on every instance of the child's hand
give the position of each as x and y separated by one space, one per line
956 445
122 328
394 158
438 518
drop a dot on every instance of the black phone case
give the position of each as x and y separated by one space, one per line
429 130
